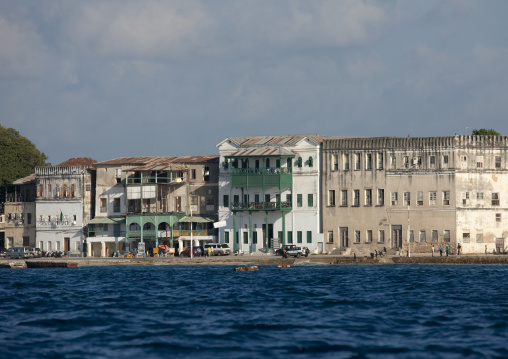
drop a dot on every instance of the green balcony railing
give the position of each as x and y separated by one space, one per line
261 206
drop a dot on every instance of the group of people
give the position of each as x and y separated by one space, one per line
447 250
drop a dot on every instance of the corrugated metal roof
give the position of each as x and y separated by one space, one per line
161 162
25 180
81 161
276 140
262 151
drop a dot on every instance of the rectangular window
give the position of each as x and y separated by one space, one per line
446 235
380 160
345 159
335 162
72 190
299 200
407 198
357 237
419 198
498 161
495 199
446 198
288 198
309 237
116 205
277 197
498 217
255 237
245 237
330 236
411 236
357 161
479 195
423 237
434 236
29 218
245 198
331 197
380 197
393 161
226 236
445 161
267 198
310 200
299 237
344 197
368 197
194 200
405 161
369 235
193 173
394 198
236 200
290 237
368 161
466 238
479 164
256 198
356 197
225 202
381 236
432 198
432 162
103 207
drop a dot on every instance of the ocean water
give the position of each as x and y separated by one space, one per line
385 311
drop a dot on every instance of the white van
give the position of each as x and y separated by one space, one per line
218 249
19 252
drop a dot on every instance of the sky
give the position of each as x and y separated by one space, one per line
108 79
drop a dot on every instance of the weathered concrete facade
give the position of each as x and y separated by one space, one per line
380 192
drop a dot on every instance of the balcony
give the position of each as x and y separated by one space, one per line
150 180
261 206
265 176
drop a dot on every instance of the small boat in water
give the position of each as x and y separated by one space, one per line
48 264
246 268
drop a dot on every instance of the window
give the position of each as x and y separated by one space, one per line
446 198
245 237
380 160
288 198
479 164
407 198
309 237
299 237
423 237
369 235
255 237
368 161
310 200
289 164
331 197
479 236
394 198
479 195
277 163
381 236
225 201
29 218
226 236
419 198
405 161
357 237
206 173
256 198
277 197
495 199
194 200
498 217
344 197
299 200
466 237
432 198
380 197
193 173
445 161
50 194
411 236
345 159
256 164
393 161
72 190
330 236
434 236
335 162
267 163
298 162
267 198
116 205
356 197
446 235
103 208
368 197
357 161
432 162
498 161
310 162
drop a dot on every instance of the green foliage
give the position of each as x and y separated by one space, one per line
18 156
484 132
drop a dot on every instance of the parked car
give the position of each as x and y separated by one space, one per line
19 252
3 251
292 250
196 252
218 249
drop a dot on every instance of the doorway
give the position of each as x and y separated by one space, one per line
344 238
396 236
270 235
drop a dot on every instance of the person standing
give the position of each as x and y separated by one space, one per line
441 251
485 249
433 250
459 247
447 250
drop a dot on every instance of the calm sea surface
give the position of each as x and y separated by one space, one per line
386 311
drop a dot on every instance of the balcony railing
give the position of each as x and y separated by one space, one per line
260 206
261 171
160 180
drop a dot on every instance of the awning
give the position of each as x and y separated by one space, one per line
196 219
106 220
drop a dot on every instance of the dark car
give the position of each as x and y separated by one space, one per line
292 250
196 252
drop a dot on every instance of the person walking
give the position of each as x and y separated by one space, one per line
447 250
441 251
485 249
459 247
433 250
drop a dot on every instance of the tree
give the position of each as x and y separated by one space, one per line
18 158
484 132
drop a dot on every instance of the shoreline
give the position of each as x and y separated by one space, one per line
266 260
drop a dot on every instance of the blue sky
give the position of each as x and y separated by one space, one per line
106 79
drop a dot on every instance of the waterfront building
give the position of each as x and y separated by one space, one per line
412 193
17 224
269 192
154 201
63 205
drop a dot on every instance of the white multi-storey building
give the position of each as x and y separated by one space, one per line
269 192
